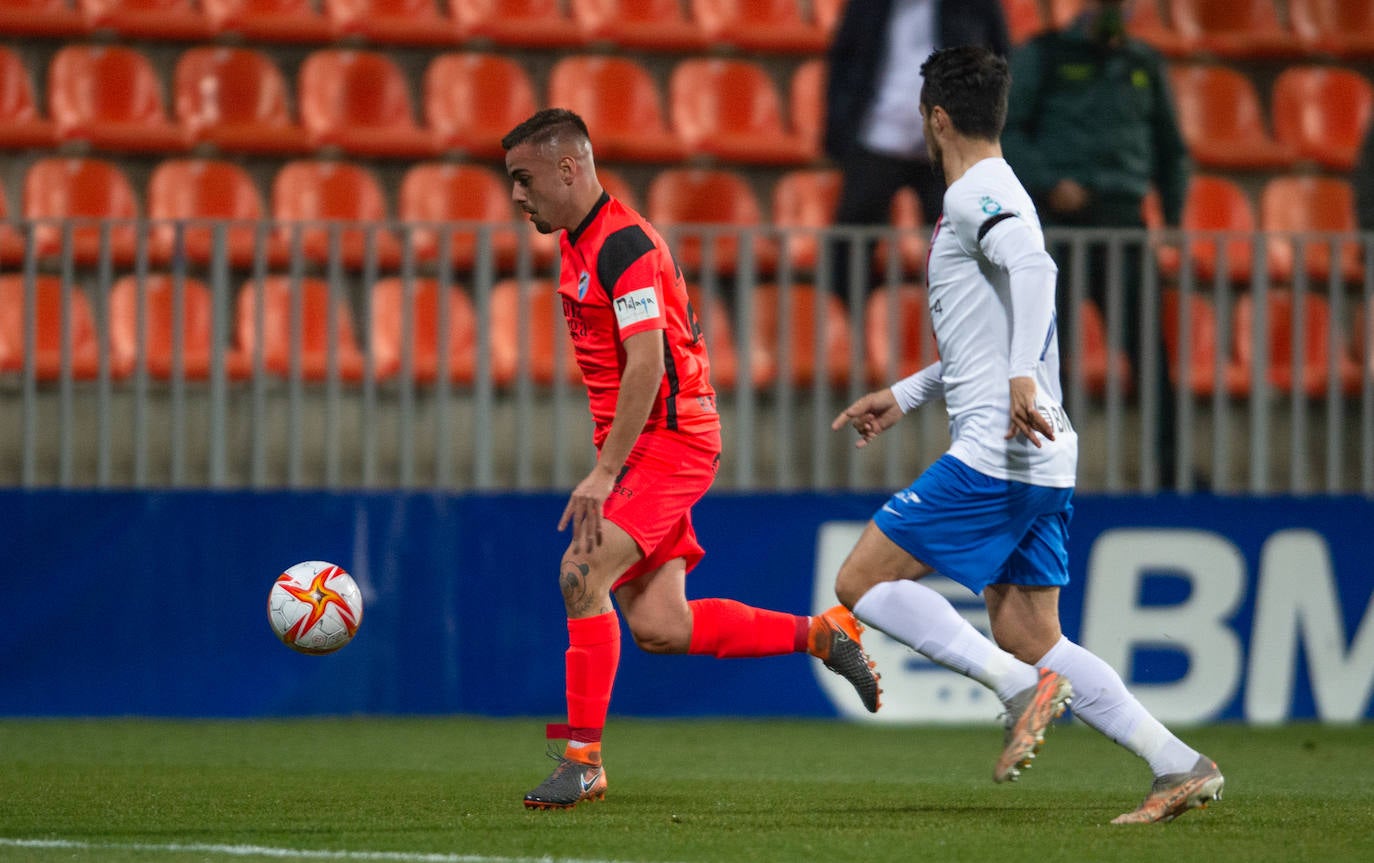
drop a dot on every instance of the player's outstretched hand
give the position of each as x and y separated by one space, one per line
1025 419
585 507
870 416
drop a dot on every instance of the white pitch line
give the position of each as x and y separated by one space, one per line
283 853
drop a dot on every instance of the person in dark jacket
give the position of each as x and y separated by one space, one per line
1091 127
873 123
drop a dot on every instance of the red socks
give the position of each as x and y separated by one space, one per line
592 657
725 628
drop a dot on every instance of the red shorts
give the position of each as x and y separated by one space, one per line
666 473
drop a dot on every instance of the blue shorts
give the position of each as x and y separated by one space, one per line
978 530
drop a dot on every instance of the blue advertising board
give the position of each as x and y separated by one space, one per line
121 603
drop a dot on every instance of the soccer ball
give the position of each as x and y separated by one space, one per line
315 607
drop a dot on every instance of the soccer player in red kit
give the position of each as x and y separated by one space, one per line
657 436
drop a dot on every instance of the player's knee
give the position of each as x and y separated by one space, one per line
656 638
583 590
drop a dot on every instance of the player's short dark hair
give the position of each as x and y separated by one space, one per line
971 83
545 127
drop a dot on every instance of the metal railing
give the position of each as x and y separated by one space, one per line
89 404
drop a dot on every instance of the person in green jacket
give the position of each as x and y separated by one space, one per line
1091 127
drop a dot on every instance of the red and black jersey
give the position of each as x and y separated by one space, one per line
617 279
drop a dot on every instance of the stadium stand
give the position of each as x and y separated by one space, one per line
434 192
389 332
714 320
531 323
804 199
902 311
1221 119
324 326
1024 19
268 20
1214 204
11 241
1341 28
698 197
234 100
1096 362
21 125
190 191
1233 29
63 194
760 26
1281 320
1199 361
161 321
1301 203
1148 24
639 25
806 104
731 110
802 321
533 24
326 201
47 18
404 23
621 104
60 312
359 102
1323 113
110 98
472 99
147 19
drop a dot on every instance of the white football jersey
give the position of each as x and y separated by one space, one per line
971 312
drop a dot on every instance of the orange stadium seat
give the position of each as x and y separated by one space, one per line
435 192
147 19
806 103
904 308
1323 112
620 103
801 368
517 23
1148 24
389 338
234 99
160 328
718 331
827 13
51 316
647 25
268 20
690 199
359 102
760 25
110 98
616 186
473 99
804 205
1096 362
1060 13
1344 28
1214 204
11 241
53 18
1201 356
731 110
325 200
1281 321
1024 19
1297 204
192 190
280 327
1221 119
21 127
85 190
1233 29
392 22
538 315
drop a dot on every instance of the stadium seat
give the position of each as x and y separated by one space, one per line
544 327
1343 28
801 368
690 199
1299 204
804 206
1281 320
147 19
21 127
730 110
1361 348
1233 29
51 316
1024 19
110 98
1201 356
827 14
1214 204
280 327
1148 24
644 25
621 105
806 102
533 24
392 22
318 199
1097 364
473 99
159 299
50 18
268 20
616 186
58 189
718 331
904 308
776 26
11 241
1221 119
196 190
435 192
1323 112
359 102
388 336
234 99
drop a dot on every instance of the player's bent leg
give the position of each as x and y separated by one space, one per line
655 607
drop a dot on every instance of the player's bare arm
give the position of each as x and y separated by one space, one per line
639 385
870 416
1026 419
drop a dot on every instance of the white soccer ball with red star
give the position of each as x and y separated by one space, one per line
315 607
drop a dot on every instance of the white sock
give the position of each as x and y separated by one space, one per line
1100 699
925 621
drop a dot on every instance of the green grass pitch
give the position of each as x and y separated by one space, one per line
448 790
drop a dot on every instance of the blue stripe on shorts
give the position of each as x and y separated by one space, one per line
978 530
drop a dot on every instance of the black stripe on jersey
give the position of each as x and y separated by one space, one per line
674 385
618 252
991 223
576 233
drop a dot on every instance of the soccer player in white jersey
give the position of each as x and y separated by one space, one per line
993 512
